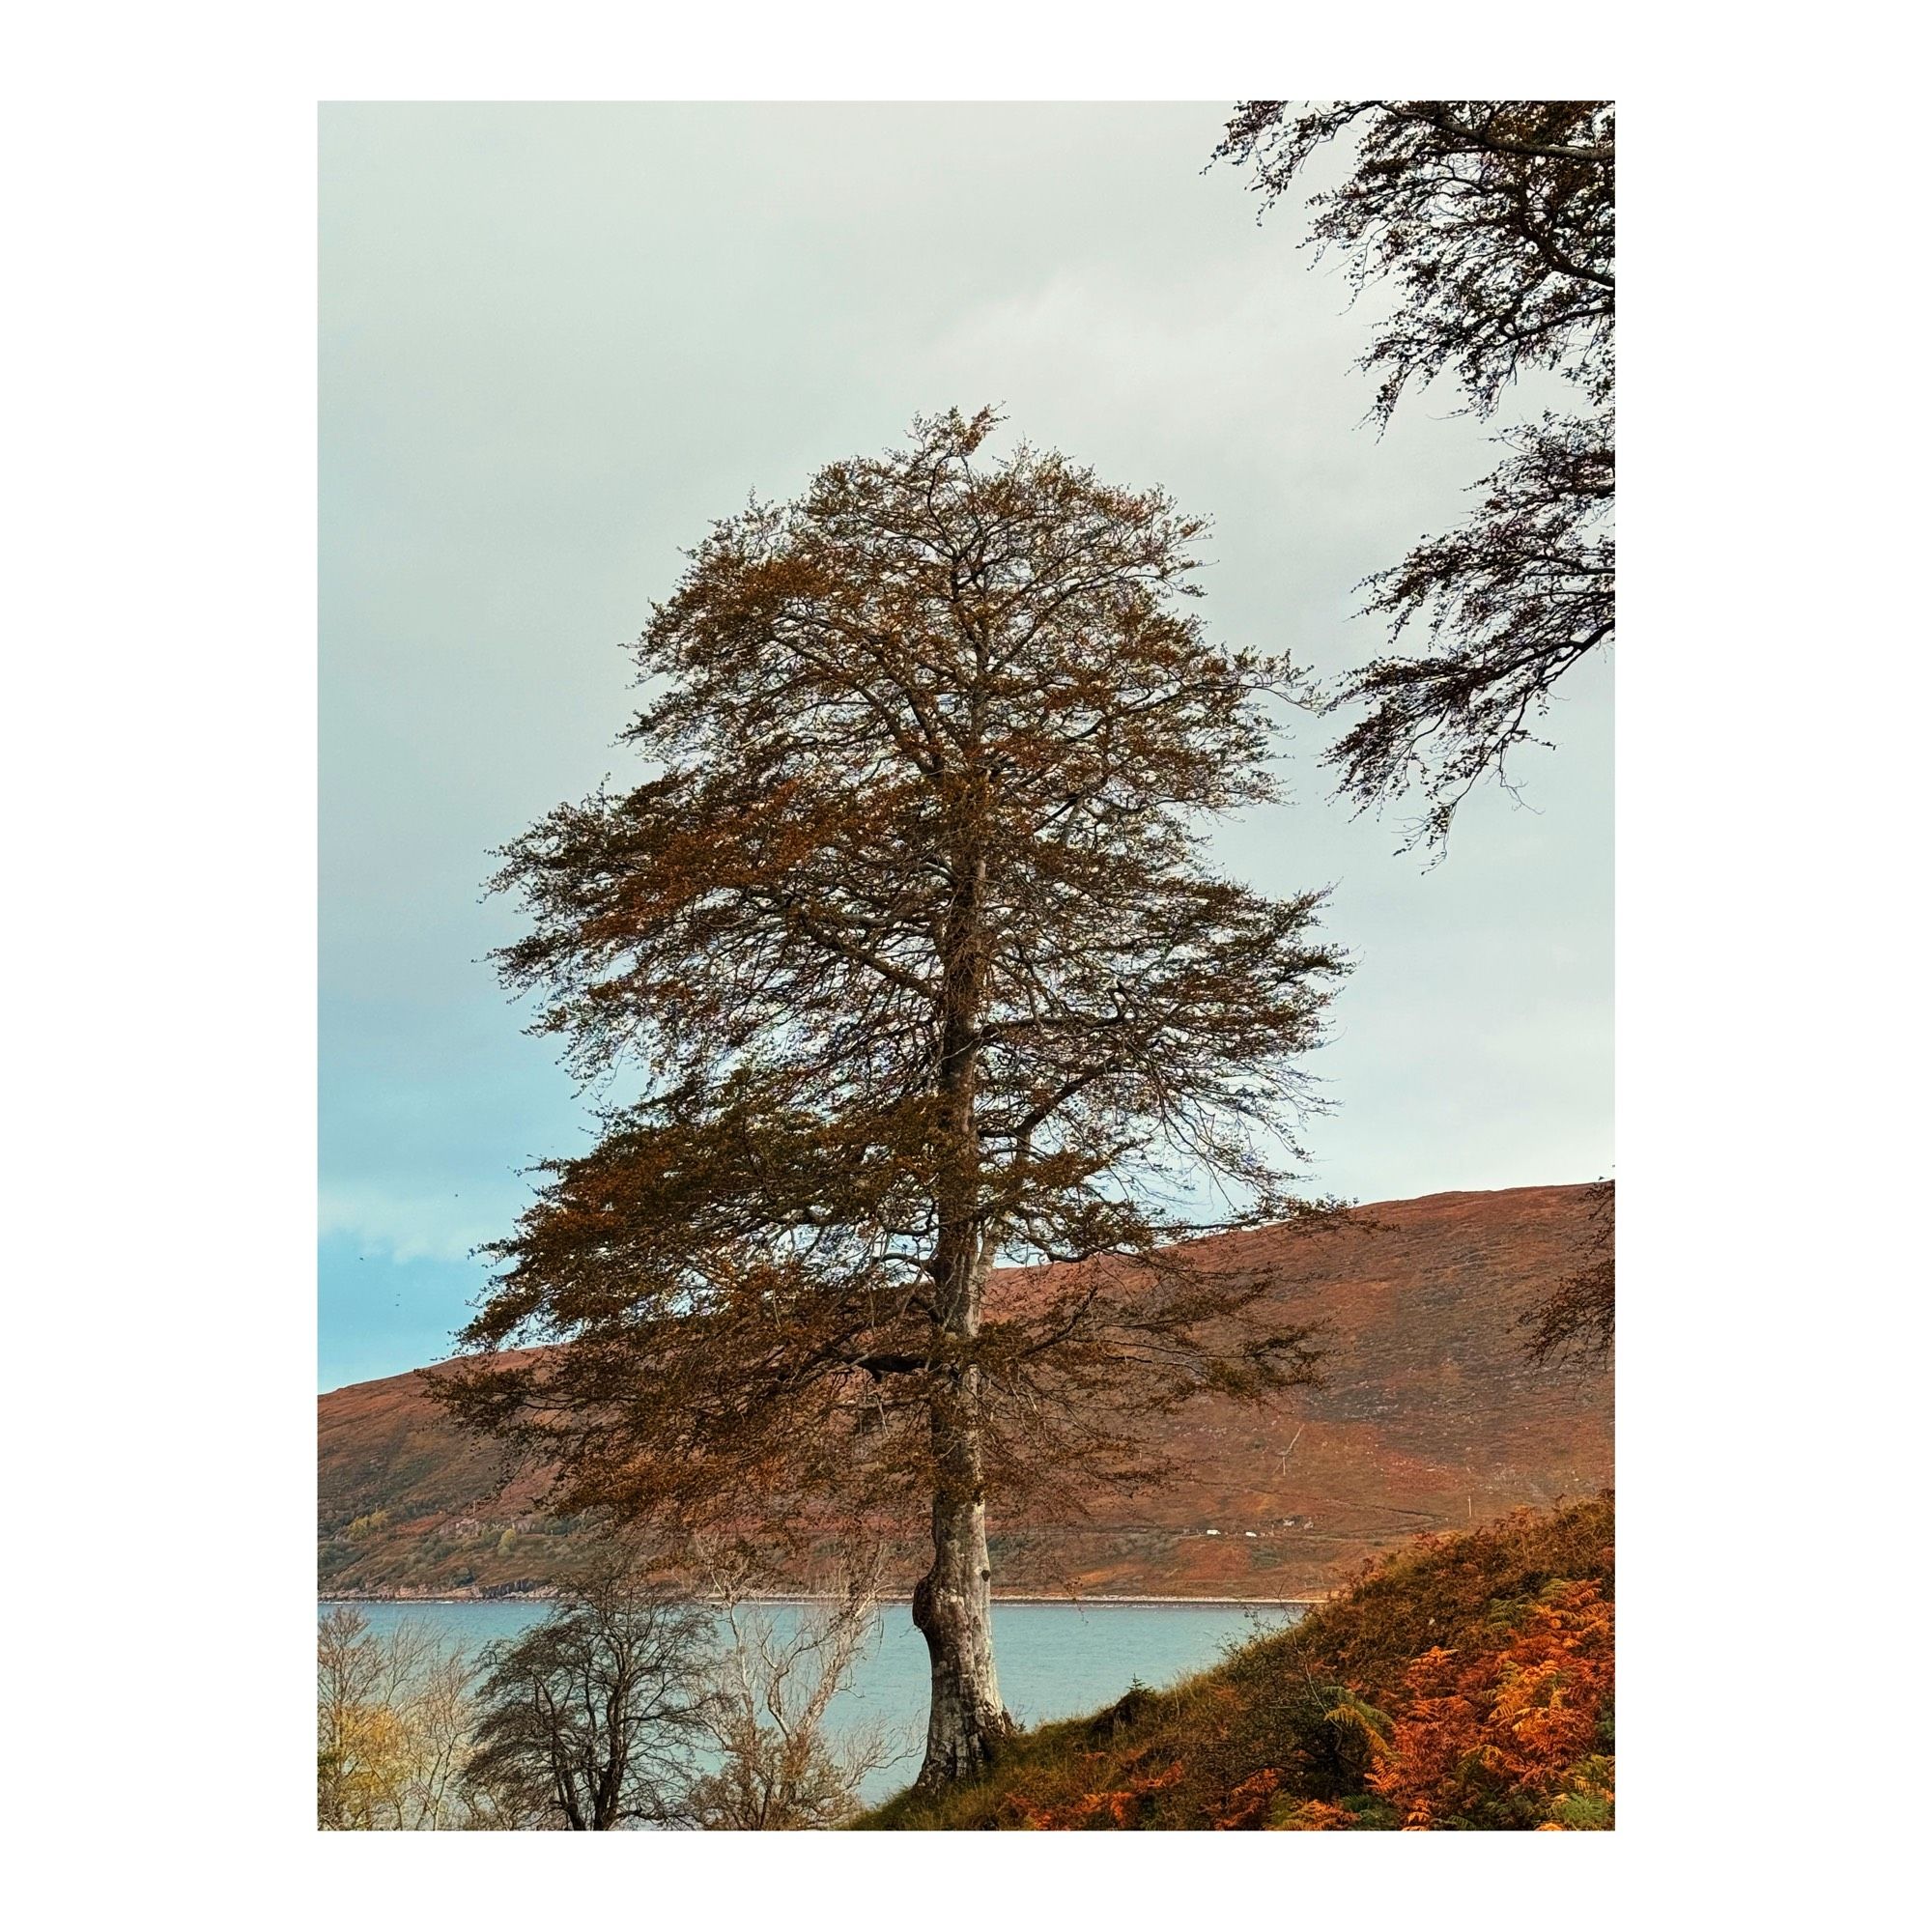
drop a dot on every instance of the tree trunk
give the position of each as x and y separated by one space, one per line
952 1605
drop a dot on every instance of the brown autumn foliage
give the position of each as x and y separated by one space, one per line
1507 1728
1119 1809
1465 1683
909 944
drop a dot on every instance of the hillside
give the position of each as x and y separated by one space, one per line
1467 1684
1432 1419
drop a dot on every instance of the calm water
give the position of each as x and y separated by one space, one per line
1056 1659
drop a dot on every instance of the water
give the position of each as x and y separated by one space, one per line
1056 1659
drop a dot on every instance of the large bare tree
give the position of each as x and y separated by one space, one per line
911 937
1496 223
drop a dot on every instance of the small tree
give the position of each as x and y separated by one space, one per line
347 1756
1497 222
911 936
781 1768
588 1719
392 1723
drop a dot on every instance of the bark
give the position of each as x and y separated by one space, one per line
953 1602
952 1605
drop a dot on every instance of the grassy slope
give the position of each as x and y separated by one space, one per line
1256 1742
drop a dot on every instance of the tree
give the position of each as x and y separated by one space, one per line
591 1716
1495 219
1578 1319
351 1757
913 941
392 1725
780 1766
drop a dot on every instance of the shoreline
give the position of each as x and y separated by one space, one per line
1066 1602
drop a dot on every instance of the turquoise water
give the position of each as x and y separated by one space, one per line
1055 1659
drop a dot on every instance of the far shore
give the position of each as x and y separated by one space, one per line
999 1597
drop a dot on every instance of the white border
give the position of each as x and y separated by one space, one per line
161 789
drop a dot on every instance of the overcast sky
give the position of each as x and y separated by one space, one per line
558 341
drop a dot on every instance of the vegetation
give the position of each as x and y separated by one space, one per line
781 1766
625 1706
1465 1683
1495 220
393 1720
911 943
590 1718
1576 1321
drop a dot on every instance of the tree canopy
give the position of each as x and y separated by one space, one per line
1495 221
912 941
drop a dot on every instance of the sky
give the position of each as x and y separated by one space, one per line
556 342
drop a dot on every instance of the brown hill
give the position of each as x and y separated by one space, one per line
1433 1418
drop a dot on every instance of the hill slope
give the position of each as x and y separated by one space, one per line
1466 1685
1431 1419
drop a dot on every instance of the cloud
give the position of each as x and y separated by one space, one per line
405 1227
